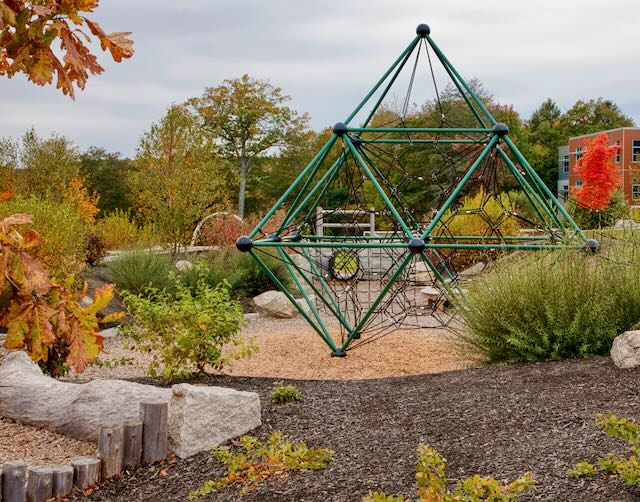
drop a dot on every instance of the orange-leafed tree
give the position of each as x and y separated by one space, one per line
599 174
29 28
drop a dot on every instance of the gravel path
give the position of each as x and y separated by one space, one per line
498 421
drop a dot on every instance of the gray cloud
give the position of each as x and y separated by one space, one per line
327 54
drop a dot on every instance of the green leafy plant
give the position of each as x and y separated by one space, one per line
553 305
261 460
433 484
626 468
41 315
282 393
136 271
187 331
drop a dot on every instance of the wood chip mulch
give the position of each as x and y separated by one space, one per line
499 421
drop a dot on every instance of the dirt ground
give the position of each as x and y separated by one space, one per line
500 421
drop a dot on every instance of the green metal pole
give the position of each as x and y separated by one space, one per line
434 130
386 90
433 237
447 64
460 186
532 173
293 186
284 256
335 309
327 176
377 186
409 49
287 220
529 191
377 301
281 287
427 141
439 276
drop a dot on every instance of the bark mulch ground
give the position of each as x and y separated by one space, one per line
499 421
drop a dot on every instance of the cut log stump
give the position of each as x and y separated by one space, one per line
86 471
40 484
111 449
155 415
14 481
62 480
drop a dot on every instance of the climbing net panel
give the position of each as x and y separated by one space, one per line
380 229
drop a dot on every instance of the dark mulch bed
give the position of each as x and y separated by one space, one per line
501 421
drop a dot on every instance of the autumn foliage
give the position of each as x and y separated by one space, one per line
28 29
599 174
41 315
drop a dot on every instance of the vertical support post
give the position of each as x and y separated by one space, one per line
62 480
155 416
14 482
132 431
86 472
111 449
319 221
40 484
372 219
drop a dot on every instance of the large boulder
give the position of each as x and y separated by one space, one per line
275 304
77 409
203 417
625 351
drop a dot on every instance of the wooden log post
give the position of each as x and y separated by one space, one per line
0 483
111 449
132 443
86 471
40 484
14 476
154 414
62 480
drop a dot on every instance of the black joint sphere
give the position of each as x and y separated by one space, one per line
244 244
500 130
340 129
423 30
295 236
591 245
416 246
338 353
274 237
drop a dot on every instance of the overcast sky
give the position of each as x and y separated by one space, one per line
327 54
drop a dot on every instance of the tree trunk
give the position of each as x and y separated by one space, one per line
244 174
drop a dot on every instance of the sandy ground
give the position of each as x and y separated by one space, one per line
286 349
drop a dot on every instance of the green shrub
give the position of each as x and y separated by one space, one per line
187 331
553 305
118 230
282 393
626 468
242 273
135 271
433 484
587 219
260 461
63 231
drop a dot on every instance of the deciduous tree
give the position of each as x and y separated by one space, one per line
175 176
599 173
247 119
29 28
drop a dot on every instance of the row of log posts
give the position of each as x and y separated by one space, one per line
119 446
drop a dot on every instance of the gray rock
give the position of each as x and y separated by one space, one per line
109 332
204 417
304 305
625 351
275 304
183 265
77 409
85 301
251 316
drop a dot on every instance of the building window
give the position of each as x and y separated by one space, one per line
635 150
635 189
578 153
578 184
618 152
565 192
565 164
